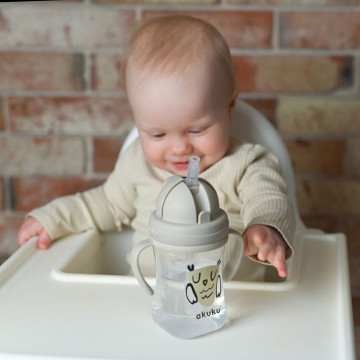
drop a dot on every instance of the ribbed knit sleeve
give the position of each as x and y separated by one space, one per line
263 193
106 208
252 190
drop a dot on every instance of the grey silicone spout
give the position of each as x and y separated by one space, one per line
193 171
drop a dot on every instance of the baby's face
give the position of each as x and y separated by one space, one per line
179 115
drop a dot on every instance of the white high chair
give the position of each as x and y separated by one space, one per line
74 301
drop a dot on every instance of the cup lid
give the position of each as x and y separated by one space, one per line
188 216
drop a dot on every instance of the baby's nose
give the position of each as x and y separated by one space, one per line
180 145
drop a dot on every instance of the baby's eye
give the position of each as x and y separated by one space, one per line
195 131
158 136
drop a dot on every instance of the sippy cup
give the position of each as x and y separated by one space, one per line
188 232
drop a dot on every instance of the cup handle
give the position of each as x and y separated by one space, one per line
134 260
234 262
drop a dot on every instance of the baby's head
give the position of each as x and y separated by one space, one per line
181 85
170 44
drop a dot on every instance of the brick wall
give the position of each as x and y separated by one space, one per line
63 114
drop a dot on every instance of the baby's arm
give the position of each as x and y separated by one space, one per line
31 227
107 207
267 244
262 190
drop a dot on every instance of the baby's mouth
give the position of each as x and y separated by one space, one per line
181 165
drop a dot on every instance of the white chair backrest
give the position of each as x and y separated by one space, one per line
251 126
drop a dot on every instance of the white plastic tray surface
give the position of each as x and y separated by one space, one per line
49 310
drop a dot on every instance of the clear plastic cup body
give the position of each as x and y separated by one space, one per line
189 296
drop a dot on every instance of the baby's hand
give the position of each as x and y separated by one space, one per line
31 227
268 244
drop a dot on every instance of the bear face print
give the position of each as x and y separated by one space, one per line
204 284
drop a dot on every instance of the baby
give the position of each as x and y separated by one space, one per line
180 82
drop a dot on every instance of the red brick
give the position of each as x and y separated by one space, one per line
317 157
266 106
291 74
2 126
321 30
3 155
41 71
352 160
106 152
319 116
241 29
2 194
45 155
356 309
106 72
328 197
357 341
178 2
64 26
294 2
111 27
354 265
40 25
9 226
31 192
324 223
75 115
351 228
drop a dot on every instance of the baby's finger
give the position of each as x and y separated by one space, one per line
44 241
254 238
27 231
279 261
21 239
264 252
258 235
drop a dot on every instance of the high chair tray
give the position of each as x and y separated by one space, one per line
48 309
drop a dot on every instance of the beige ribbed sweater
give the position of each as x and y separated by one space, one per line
247 180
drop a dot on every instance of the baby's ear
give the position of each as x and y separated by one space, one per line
232 104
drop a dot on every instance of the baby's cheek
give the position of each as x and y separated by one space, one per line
152 153
214 147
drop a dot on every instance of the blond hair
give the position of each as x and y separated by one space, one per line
172 43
